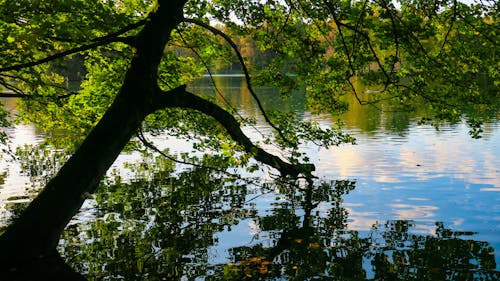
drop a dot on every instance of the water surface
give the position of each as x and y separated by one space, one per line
407 202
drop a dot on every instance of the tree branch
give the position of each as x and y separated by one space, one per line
245 71
36 232
100 41
12 95
452 22
179 97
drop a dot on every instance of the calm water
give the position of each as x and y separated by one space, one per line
407 202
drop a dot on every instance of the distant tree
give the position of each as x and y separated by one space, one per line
440 53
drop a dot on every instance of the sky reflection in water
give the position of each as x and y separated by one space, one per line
413 177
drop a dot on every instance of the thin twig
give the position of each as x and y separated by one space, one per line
453 19
217 90
150 145
245 71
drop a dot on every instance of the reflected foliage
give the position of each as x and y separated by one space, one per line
148 227
38 163
163 223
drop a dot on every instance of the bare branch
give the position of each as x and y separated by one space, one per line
453 19
349 57
396 37
217 90
205 65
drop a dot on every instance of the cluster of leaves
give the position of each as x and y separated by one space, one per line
53 97
4 122
299 132
38 29
440 54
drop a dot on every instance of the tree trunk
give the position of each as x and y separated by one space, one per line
35 234
29 244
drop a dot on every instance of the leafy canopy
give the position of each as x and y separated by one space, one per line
406 54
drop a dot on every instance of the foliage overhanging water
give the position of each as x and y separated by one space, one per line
406 203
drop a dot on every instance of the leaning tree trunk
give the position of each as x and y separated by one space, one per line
35 234
30 242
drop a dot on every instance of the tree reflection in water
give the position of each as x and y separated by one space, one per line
161 226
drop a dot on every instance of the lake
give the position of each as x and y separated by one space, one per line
407 202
